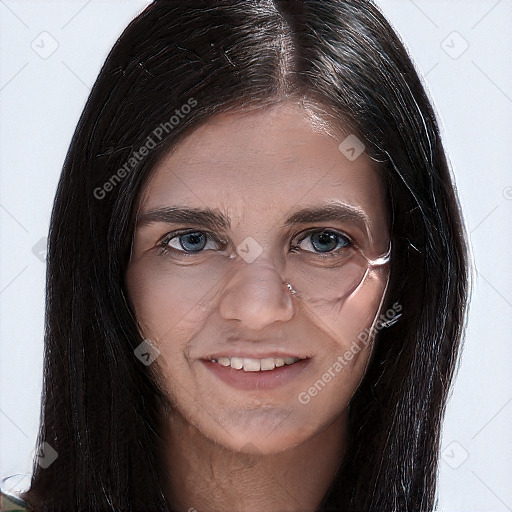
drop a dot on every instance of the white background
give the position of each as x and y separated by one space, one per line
42 98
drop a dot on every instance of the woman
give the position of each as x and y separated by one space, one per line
257 270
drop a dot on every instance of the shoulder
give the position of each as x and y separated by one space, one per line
11 503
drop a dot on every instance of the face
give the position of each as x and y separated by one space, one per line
249 272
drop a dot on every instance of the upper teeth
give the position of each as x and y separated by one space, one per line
255 365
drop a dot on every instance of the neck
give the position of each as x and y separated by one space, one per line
205 476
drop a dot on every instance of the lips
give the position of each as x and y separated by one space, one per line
256 373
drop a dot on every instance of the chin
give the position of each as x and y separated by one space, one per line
266 434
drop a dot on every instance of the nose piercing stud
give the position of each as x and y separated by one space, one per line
290 287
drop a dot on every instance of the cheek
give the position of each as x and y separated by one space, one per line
348 321
348 348
169 315
165 306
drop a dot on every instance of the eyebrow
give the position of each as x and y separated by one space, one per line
178 214
330 212
217 220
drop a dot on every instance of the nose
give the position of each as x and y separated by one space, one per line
257 296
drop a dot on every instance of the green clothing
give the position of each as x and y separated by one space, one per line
10 503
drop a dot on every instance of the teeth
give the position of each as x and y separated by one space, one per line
255 365
237 363
252 365
268 363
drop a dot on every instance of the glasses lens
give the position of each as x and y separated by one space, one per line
315 276
327 277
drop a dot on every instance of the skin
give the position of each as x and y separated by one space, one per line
248 450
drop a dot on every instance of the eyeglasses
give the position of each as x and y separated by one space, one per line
331 277
329 267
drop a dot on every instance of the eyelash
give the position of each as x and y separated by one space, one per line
164 249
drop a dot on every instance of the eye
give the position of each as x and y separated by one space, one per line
323 241
188 243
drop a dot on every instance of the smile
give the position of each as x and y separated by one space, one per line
249 364
250 373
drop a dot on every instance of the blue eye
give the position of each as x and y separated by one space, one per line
188 243
324 241
193 242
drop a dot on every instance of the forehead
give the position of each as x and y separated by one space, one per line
274 158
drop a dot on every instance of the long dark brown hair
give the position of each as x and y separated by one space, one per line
101 409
